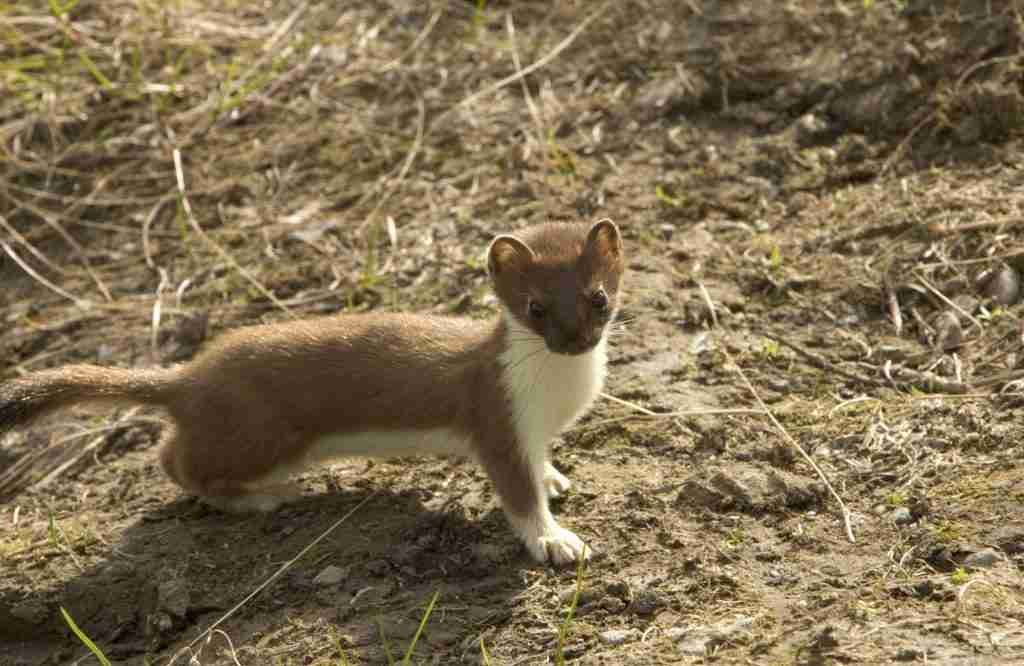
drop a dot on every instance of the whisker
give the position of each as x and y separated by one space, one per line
524 358
529 393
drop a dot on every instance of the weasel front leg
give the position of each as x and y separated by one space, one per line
522 485
555 483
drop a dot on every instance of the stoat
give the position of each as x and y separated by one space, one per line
259 404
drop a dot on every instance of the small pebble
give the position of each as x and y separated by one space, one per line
950 334
983 559
646 602
901 516
809 127
378 568
618 636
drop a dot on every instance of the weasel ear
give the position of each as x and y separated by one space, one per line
508 253
604 240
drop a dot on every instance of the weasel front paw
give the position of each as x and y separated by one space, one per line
555 483
560 547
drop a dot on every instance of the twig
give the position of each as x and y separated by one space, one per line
821 363
417 144
669 415
942 297
415 44
707 300
277 574
80 453
221 251
898 152
924 380
631 405
80 302
530 105
146 224
563 45
28 246
789 438
269 50
941 229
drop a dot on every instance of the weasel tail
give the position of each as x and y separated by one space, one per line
27 398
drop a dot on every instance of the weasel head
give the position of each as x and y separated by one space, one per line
560 281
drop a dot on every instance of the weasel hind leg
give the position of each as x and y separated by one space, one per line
225 495
251 499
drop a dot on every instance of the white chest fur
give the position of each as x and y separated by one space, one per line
548 391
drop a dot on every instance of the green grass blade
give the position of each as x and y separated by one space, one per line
100 77
406 661
85 639
384 642
563 631
483 653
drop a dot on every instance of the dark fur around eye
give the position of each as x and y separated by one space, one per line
536 310
599 300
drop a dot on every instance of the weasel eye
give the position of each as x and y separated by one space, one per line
536 310
599 300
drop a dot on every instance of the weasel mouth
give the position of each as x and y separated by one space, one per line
573 347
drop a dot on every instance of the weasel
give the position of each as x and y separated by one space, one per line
261 403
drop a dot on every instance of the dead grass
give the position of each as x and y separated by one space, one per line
168 170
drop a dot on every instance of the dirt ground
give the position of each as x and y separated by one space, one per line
828 196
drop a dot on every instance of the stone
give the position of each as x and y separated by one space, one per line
1002 286
331 575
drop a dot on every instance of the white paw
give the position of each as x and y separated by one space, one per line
555 483
559 546
266 500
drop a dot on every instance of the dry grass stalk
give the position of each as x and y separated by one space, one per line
792 442
213 244
277 574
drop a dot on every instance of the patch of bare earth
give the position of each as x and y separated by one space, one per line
826 195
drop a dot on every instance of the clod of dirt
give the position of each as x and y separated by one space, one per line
931 549
696 641
587 596
1002 285
983 559
948 333
1010 540
618 636
750 490
378 568
647 602
31 612
619 589
169 604
901 516
331 575
927 590
908 654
